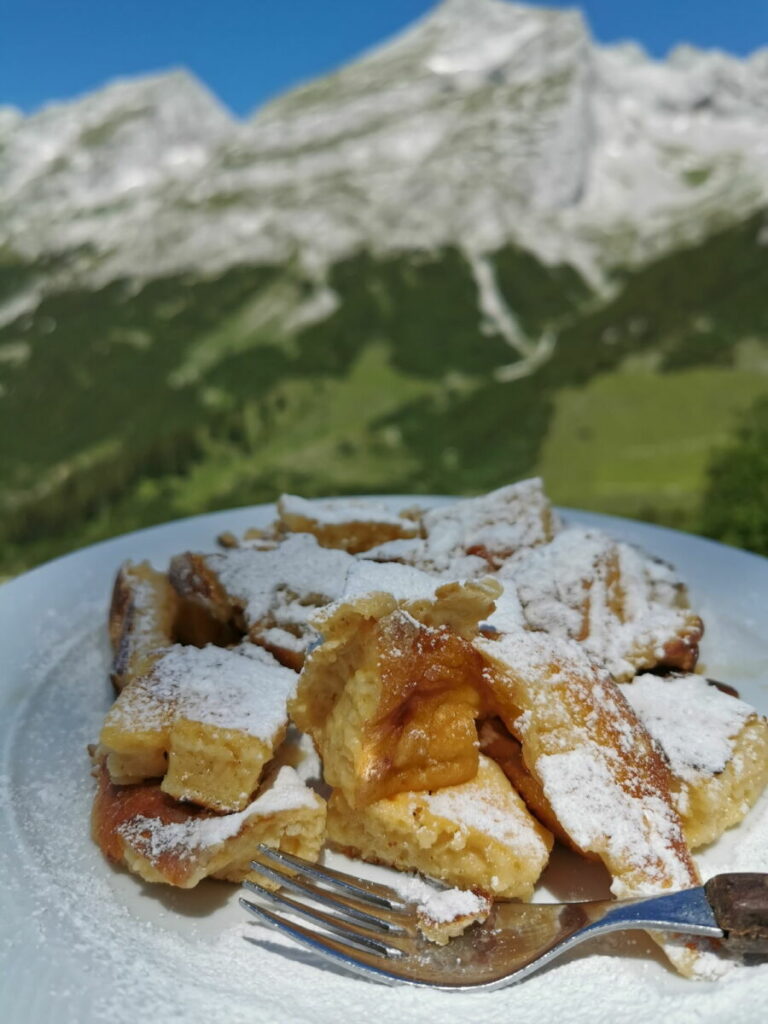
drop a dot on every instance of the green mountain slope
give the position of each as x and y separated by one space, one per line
135 403
654 382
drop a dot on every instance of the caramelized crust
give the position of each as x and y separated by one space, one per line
115 806
268 593
163 840
350 525
390 695
147 615
195 626
600 771
422 735
390 704
681 653
142 618
193 578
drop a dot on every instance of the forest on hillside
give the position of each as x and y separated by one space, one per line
136 403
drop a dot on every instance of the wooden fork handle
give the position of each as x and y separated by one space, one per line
740 905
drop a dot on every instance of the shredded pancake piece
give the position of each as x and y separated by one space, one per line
600 771
627 609
598 767
498 743
391 695
270 593
443 914
205 719
349 524
716 747
474 536
162 840
142 617
400 661
477 834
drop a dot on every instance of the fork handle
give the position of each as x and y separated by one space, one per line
740 905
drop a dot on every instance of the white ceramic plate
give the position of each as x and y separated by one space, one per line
81 941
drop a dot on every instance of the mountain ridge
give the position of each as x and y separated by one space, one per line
483 123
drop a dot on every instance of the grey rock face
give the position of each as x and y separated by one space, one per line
484 122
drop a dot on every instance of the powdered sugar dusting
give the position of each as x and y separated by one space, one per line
598 814
622 605
282 638
539 656
441 905
418 552
746 848
471 808
297 570
500 523
244 688
144 600
154 837
694 723
508 615
585 744
403 582
465 539
338 513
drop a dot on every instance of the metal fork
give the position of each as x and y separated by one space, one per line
372 929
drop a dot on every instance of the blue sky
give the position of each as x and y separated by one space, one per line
249 50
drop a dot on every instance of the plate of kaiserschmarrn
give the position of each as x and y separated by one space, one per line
515 701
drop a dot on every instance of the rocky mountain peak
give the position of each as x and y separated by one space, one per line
130 134
691 80
493 38
482 123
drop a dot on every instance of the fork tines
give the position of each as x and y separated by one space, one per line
373 922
